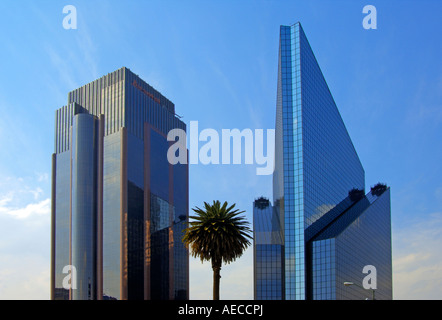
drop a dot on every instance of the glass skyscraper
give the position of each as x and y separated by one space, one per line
317 177
118 205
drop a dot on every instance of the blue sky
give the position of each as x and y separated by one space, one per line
217 61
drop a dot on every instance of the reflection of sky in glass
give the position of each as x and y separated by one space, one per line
320 164
111 215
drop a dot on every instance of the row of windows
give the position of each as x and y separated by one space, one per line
123 104
272 285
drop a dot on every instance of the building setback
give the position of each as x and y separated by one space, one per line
329 229
118 206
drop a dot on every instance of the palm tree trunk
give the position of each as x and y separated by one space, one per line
216 279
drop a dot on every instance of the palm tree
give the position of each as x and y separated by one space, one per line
218 234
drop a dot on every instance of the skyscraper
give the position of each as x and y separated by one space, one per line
316 169
118 205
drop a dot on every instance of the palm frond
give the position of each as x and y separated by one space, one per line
217 233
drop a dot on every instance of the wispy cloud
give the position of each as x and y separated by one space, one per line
25 238
417 262
88 48
64 66
425 106
72 53
226 82
22 198
38 208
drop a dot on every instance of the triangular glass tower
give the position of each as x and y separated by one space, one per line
316 169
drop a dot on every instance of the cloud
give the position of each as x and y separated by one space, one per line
42 177
40 208
417 262
5 200
25 238
22 198
62 62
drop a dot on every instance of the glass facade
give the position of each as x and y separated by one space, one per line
316 164
360 237
111 242
268 252
118 205
84 204
61 252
